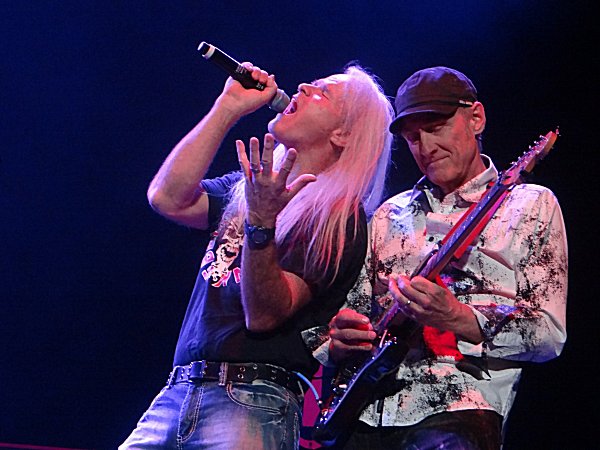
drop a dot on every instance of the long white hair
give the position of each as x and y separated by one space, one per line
318 215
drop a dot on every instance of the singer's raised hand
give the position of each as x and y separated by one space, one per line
245 101
267 190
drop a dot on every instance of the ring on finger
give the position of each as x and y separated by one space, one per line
408 303
255 170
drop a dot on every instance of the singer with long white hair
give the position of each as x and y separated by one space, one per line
288 240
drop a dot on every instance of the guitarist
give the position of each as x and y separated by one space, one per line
501 303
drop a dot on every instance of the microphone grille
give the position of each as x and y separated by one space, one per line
280 101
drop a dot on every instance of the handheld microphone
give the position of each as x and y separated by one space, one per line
238 72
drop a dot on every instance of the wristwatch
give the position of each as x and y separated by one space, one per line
258 237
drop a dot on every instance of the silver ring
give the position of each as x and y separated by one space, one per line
254 170
407 303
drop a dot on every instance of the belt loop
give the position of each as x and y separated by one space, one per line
223 374
196 370
172 377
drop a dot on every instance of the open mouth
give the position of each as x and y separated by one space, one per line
291 108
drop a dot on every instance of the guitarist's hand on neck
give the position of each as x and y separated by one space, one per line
351 333
435 306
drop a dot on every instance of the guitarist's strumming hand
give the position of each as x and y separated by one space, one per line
350 333
435 306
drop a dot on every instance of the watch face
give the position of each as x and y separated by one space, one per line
259 236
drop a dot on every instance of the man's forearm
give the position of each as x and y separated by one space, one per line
270 295
175 186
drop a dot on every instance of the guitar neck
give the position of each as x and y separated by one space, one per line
464 234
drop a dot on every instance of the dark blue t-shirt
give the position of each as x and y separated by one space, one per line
214 325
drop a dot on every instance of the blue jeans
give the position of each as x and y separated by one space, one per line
258 415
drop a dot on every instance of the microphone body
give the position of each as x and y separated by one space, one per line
238 72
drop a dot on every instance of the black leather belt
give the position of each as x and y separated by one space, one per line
224 373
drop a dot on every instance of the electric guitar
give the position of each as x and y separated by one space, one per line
355 383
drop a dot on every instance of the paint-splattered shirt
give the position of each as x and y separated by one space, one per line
514 277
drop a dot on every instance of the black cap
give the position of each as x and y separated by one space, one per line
438 90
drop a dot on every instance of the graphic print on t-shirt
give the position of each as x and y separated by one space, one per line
222 257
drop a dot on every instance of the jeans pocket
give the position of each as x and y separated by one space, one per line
262 395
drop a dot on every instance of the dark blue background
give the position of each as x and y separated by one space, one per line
95 94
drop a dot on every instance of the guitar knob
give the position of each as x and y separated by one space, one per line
340 389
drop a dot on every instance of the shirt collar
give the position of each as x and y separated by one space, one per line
470 192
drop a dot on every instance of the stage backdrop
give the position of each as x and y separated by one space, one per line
94 95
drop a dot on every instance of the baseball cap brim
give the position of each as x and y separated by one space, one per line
442 109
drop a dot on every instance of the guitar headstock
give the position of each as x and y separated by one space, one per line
525 164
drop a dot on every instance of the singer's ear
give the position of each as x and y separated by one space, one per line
339 138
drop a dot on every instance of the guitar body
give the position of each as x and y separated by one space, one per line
355 386
352 395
